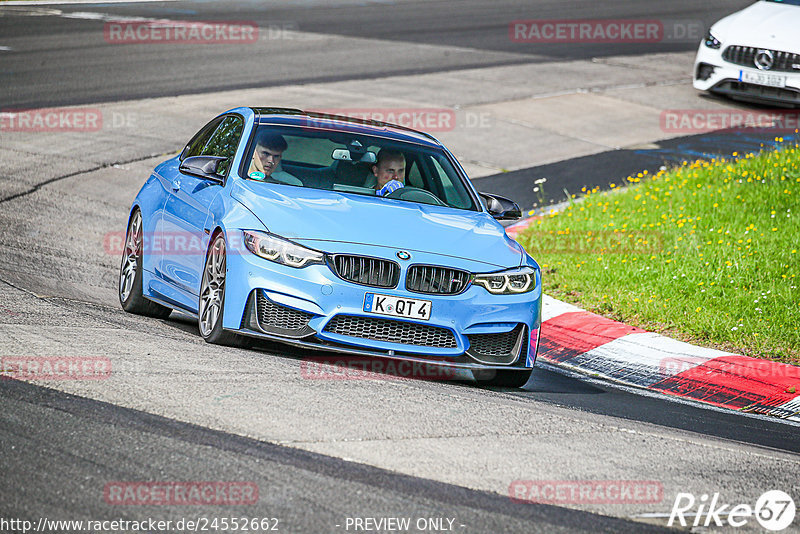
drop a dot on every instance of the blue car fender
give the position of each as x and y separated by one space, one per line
150 202
231 217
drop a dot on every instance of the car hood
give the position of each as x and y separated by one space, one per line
319 215
763 25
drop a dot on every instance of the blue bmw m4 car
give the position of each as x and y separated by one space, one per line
334 234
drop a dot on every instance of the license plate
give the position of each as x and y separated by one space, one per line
762 78
397 306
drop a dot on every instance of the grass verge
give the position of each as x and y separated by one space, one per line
706 252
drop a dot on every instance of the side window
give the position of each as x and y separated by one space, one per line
454 196
414 177
224 142
195 146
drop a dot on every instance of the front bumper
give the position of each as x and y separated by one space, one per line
313 308
715 74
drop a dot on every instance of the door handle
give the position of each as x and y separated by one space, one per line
176 185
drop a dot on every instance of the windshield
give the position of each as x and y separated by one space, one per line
356 164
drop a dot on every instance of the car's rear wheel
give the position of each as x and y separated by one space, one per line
130 274
211 306
509 378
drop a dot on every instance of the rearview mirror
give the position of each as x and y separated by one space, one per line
342 154
208 167
501 208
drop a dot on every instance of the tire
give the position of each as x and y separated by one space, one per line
509 378
211 302
129 288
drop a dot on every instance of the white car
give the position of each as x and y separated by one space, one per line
753 54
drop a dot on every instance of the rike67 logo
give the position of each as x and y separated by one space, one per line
774 511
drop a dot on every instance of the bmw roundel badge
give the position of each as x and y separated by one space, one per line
403 255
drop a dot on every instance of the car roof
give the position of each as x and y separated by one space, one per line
326 121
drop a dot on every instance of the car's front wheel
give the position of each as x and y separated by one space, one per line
211 307
130 274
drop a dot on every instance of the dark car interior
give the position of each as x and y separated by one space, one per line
344 162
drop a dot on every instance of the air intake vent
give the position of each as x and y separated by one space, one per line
281 320
391 331
366 271
497 348
433 280
778 61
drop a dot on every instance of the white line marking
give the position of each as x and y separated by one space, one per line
86 15
6 49
105 17
588 376
645 358
69 2
552 308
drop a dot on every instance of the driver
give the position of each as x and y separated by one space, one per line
266 161
389 171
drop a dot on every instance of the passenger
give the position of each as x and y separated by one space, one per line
266 162
389 171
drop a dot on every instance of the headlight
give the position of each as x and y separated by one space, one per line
279 250
711 41
508 282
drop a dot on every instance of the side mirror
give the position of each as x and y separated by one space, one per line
207 167
501 208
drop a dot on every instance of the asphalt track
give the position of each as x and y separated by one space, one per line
188 411
65 61
61 60
61 450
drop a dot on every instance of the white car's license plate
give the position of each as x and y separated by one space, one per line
762 78
397 306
